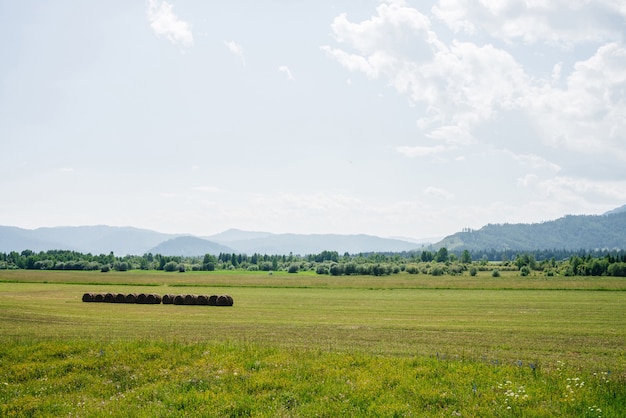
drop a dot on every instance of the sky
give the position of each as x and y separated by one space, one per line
395 118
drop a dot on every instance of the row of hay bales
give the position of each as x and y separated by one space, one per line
213 300
154 299
142 298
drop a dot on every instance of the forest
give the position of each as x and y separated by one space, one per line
436 263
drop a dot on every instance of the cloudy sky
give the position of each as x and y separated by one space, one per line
393 118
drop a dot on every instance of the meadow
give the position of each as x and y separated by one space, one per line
309 345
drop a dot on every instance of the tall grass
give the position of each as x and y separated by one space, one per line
154 378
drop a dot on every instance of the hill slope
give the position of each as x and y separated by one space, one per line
570 233
189 246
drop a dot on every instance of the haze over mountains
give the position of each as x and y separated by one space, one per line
569 232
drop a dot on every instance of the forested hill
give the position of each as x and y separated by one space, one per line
572 232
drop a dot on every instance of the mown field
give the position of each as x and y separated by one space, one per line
309 345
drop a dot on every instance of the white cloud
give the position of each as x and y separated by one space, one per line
536 162
236 49
165 23
462 86
587 115
564 188
287 71
438 192
558 22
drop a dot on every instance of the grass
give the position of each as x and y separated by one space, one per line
305 345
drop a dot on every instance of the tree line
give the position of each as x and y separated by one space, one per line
439 262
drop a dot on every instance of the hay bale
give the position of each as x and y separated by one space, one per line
131 298
231 301
202 300
88 297
190 300
98 297
179 299
212 300
120 298
168 299
153 299
110 297
141 298
224 300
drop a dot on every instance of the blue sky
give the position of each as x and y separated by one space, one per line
393 118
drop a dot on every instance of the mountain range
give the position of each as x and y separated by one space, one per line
572 232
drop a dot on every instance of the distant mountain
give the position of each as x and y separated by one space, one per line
18 239
236 235
316 243
189 246
569 233
126 240
98 239
616 210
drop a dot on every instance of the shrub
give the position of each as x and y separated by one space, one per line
495 273
336 269
293 268
170 266
412 269
322 269
524 271
121 266
473 271
437 271
105 268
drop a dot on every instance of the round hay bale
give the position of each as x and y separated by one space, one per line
120 298
141 298
98 297
212 300
222 300
131 298
168 299
202 300
88 297
153 299
190 300
230 299
179 299
110 297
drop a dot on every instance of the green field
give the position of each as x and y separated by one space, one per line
309 345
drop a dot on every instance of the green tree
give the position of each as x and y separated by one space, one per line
442 255
466 257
